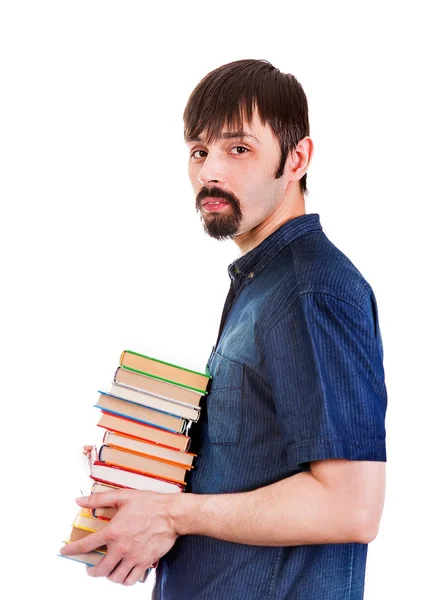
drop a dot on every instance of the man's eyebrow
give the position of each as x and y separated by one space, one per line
228 135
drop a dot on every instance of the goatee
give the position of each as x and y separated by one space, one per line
220 225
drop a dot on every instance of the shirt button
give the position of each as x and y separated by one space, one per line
250 275
236 270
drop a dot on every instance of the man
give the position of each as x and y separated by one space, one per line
289 484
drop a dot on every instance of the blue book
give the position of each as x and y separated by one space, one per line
142 414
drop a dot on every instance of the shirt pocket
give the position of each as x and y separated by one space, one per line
224 401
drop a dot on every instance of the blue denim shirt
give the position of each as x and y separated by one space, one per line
297 377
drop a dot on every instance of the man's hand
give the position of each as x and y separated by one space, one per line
140 533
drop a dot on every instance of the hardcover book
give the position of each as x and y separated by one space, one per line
145 399
126 478
93 558
145 448
124 408
144 432
142 464
157 387
165 371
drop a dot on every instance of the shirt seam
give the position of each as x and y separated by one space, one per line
314 292
281 249
273 252
273 578
334 438
351 573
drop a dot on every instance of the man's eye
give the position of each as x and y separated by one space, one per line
241 148
193 154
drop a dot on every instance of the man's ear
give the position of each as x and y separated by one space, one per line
299 159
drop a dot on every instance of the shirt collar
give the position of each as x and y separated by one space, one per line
245 268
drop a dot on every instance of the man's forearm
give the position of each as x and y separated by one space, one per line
298 510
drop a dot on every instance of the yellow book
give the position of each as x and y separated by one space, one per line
87 522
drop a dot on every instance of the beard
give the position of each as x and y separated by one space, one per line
223 225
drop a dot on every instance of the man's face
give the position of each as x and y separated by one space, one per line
234 179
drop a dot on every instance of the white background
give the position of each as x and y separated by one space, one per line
102 249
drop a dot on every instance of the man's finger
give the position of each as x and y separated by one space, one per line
105 566
86 544
135 575
100 499
121 571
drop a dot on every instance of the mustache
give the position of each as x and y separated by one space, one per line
216 193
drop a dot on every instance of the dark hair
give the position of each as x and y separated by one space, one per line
229 94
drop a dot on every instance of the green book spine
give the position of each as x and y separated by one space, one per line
206 374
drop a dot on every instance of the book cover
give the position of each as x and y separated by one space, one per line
128 478
142 414
91 559
78 534
165 371
142 464
157 387
87 522
144 432
107 512
143 398
88 558
145 448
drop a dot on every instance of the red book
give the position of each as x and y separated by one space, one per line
144 432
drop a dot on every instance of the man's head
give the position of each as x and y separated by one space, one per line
246 126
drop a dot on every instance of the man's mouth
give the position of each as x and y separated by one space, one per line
213 204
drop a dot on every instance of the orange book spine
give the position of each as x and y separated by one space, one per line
159 459
148 473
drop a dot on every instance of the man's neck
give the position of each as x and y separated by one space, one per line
250 239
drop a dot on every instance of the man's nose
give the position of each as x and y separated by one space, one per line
211 171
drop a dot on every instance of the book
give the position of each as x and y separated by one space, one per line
107 512
125 442
78 534
144 432
119 406
142 464
87 522
165 371
157 387
84 524
146 414
91 559
145 399
88 558
127 478
102 487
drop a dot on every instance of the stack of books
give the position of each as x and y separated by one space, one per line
146 414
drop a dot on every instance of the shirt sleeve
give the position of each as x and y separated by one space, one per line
324 362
